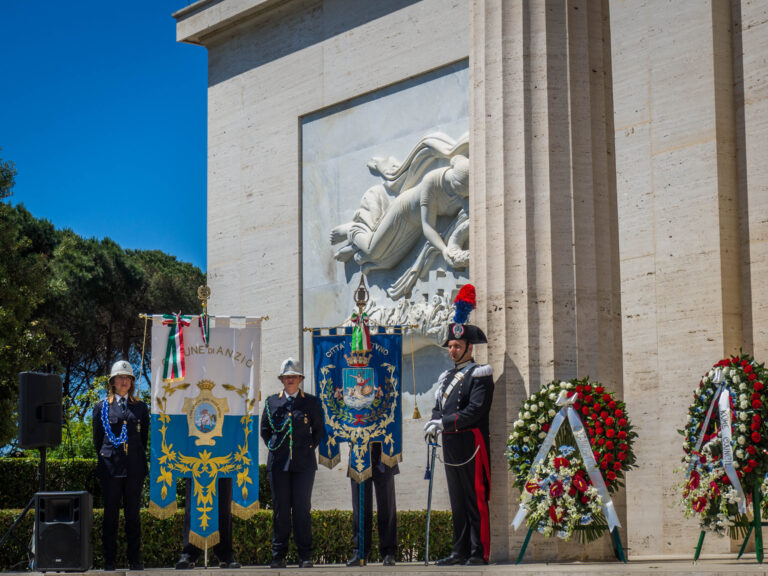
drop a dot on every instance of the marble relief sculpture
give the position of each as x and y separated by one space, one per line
404 208
431 318
417 213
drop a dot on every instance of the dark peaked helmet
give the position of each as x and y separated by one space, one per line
465 302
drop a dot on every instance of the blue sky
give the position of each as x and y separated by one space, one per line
104 114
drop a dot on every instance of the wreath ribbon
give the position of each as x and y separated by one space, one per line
724 408
722 398
705 424
588 457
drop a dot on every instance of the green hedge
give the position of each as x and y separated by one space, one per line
332 536
19 481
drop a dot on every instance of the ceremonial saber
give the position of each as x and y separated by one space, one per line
431 471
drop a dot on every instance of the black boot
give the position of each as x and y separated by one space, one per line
451 560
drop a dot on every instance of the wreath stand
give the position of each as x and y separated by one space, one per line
755 525
618 547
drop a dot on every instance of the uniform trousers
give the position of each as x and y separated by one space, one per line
223 549
386 508
125 491
292 500
465 505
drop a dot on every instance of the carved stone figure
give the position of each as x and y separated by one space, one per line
417 213
430 318
404 209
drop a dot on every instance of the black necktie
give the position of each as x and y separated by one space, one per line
121 403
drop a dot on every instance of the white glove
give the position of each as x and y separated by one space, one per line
433 426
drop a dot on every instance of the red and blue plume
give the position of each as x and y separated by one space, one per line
465 302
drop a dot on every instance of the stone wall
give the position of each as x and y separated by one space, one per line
689 87
618 200
270 64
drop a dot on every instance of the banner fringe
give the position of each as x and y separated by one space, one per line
245 512
162 512
204 542
329 462
393 460
360 478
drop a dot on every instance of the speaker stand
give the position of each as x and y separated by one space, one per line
41 474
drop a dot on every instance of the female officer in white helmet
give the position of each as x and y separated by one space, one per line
120 432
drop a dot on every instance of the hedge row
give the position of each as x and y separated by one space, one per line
19 481
331 529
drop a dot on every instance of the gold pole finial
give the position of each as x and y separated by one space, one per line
361 295
203 294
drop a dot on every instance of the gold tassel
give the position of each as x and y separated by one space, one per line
416 413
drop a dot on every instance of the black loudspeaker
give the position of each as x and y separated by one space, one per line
39 410
63 522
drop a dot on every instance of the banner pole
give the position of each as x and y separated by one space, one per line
361 523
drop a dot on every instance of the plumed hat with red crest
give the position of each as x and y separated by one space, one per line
459 329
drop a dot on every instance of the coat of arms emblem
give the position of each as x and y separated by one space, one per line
205 414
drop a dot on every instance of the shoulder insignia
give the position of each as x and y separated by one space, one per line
483 370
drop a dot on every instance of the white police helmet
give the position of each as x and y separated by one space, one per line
121 368
290 367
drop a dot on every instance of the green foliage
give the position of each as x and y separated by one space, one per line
71 305
19 480
23 276
331 530
7 178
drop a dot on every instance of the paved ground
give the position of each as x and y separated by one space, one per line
709 566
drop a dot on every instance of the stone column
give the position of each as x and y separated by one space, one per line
679 238
750 25
544 228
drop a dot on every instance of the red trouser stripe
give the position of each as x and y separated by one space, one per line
483 471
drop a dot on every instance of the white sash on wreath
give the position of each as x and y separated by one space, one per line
588 457
722 397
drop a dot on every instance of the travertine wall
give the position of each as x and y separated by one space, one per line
544 251
692 234
618 198
270 63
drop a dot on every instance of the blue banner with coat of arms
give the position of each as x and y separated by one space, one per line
205 387
360 392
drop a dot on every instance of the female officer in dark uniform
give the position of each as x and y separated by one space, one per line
120 430
291 427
